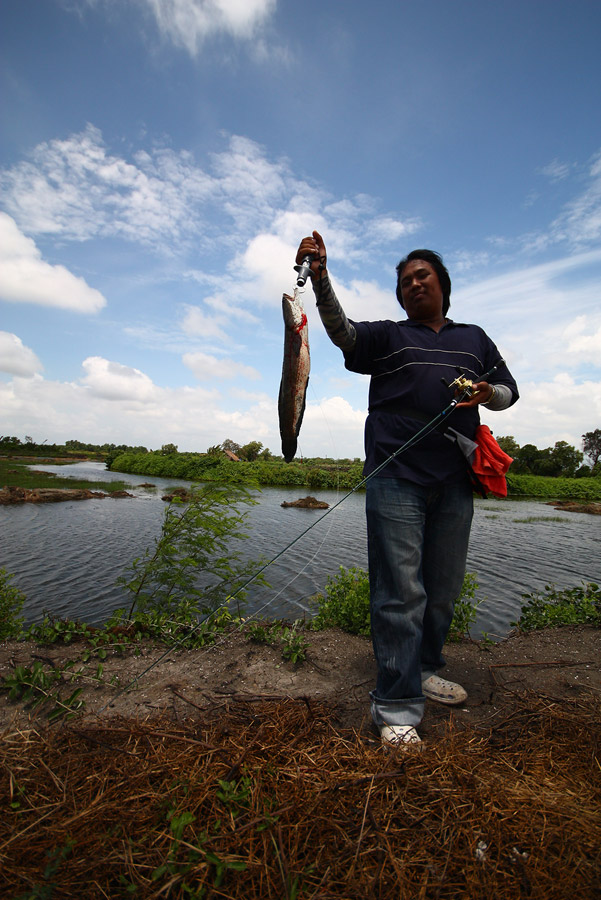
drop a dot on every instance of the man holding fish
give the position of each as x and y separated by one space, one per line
419 503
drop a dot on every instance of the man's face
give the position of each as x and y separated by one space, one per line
421 291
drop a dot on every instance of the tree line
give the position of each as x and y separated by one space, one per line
560 461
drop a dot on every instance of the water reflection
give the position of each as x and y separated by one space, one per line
66 556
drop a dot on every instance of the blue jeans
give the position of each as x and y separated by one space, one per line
417 548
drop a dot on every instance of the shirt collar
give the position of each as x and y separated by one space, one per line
449 323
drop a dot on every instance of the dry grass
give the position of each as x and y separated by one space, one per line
268 800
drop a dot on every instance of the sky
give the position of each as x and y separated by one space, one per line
160 161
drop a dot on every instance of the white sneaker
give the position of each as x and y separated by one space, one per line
442 691
397 735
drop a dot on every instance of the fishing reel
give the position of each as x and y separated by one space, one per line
462 385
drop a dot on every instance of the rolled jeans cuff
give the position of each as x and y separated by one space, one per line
397 712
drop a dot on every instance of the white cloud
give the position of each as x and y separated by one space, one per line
197 322
113 381
246 205
128 409
26 278
386 228
187 23
580 222
333 427
74 188
583 341
535 292
549 411
206 367
16 358
556 170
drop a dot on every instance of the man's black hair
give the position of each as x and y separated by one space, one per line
435 260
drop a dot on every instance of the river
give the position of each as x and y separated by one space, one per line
66 557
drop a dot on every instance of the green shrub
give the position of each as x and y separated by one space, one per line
553 488
11 604
466 609
579 605
192 567
345 604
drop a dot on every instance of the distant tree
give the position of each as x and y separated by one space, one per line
215 450
230 445
166 449
526 460
250 451
591 444
583 472
564 459
509 445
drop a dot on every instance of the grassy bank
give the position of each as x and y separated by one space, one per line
22 473
320 473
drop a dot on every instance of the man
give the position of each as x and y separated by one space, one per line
419 506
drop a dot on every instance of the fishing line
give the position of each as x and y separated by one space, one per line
427 429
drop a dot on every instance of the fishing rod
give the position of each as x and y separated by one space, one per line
464 388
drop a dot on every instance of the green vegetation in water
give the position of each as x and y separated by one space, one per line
529 520
14 473
579 605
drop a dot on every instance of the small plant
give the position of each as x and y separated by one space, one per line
11 604
294 643
579 605
55 858
52 631
264 633
36 686
185 858
235 795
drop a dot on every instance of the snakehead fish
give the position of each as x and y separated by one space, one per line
295 373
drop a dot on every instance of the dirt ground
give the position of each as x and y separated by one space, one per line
560 663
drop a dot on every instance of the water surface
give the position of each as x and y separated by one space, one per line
66 557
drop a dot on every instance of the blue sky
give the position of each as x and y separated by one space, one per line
160 161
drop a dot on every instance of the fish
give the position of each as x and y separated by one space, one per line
295 373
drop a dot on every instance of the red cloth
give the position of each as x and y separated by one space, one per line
490 463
